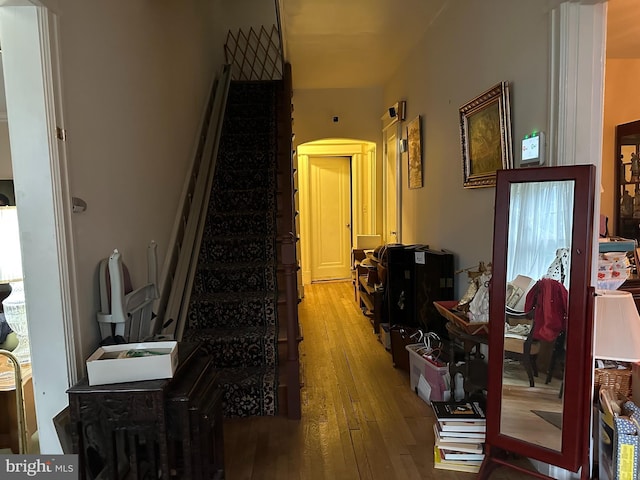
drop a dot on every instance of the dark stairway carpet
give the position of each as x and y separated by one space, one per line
233 306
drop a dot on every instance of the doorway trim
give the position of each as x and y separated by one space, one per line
363 187
393 128
29 36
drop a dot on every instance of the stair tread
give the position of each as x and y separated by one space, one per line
233 296
223 333
240 266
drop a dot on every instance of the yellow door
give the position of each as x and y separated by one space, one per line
330 195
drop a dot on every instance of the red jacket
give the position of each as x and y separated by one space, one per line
549 298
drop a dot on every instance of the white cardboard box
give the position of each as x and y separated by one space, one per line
103 371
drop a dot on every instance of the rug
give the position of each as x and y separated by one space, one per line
554 418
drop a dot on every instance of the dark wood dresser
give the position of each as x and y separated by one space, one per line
168 429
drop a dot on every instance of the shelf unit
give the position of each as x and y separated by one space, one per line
369 299
627 178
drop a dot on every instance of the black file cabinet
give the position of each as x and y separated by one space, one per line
416 277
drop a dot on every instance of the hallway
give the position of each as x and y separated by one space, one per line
360 420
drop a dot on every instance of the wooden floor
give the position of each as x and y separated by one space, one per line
360 419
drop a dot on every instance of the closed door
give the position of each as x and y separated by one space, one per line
330 194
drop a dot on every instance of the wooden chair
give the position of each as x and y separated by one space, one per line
523 347
21 412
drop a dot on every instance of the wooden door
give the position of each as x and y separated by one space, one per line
330 194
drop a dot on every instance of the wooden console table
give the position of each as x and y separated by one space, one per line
168 428
466 337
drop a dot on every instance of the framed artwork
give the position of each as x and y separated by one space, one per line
485 134
414 149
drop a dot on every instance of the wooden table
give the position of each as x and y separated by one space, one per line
467 337
9 431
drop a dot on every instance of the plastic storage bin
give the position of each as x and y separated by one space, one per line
433 373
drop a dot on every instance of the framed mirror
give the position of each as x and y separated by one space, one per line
539 400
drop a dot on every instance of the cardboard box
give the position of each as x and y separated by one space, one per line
104 368
617 451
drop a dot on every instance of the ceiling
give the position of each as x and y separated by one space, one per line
360 43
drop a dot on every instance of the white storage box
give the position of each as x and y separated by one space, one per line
103 366
433 373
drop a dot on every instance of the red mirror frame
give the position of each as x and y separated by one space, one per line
577 388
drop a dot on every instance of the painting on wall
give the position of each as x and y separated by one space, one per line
485 134
414 149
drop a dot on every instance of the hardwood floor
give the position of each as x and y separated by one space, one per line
360 419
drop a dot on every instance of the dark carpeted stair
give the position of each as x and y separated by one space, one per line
233 306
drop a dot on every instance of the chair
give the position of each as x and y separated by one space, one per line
21 412
522 347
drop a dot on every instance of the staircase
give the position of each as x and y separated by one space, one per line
235 302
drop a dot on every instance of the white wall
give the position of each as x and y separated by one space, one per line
135 77
6 172
134 83
358 112
248 13
470 47
621 105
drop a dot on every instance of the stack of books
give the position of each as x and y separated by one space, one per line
460 432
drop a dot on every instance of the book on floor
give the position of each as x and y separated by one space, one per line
459 466
458 455
476 436
469 445
457 411
448 426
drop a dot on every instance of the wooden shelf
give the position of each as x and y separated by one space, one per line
370 300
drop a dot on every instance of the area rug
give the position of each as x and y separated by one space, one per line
554 418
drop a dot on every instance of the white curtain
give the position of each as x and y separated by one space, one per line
10 255
540 223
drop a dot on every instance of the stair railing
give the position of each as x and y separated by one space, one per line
287 237
174 299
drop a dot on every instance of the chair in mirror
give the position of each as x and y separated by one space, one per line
540 319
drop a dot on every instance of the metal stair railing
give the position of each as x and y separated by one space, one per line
174 299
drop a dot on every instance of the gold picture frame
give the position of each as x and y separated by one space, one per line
414 150
485 135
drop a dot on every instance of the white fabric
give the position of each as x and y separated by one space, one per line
540 223
10 254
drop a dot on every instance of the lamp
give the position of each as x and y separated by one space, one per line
617 326
11 272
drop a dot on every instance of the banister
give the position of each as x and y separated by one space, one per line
187 245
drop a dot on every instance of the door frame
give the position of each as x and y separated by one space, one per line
390 127
314 207
364 197
29 37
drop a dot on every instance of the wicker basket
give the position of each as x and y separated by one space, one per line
615 378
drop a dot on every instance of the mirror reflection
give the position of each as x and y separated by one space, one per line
538 265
